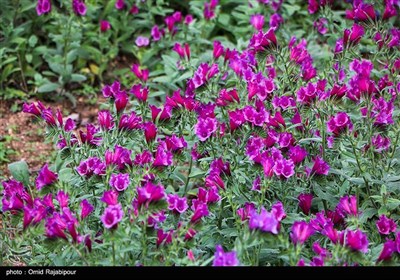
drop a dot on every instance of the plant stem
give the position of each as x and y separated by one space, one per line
188 176
113 251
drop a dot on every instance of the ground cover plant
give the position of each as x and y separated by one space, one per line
244 133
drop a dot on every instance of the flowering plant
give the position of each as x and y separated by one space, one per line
263 152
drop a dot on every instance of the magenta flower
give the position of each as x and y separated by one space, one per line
389 247
188 19
209 9
143 158
348 206
150 131
313 6
120 182
43 7
390 10
46 177
245 212
204 128
339 123
275 21
385 225
104 25
297 154
176 203
203 74
140 93
34 109
121 100
14 196
261 41
320 24
361 12
257 21
300 232
284 167
105 119
91 166
353 37
110 197
200 210
156 33
305 201
356 240
265 221
208 196
120 4
163 157
121 157
320 167
160 113
182 51
79 7
86 208
222 258
150 193
112 216
142 41
156 219
141 74
55 227
62 199
89 137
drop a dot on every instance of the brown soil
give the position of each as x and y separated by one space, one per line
27 136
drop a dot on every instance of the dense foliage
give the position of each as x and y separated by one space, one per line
243 133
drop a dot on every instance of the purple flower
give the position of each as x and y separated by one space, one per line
265 221
347 206
120 4
245 212
156 33
380 143
43 7
320 25
150 193
142 41
86 208
105 119
225 259
389 247
284 167
163 157
385 225
55 227
112 216
62 199
110 197
297 154
141 94
91 166
188 19
156 219
208 196
257 21
355 240
176 203
121 157
205 127
79 7
46 177
120 181
141 74
305 201
353 37
275 20
104 25
320 167
200 210
300 232
339 123
14 196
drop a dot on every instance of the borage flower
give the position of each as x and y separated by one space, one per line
222 258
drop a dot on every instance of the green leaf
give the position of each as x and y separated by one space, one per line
32 41
48 87
20 171
77 78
